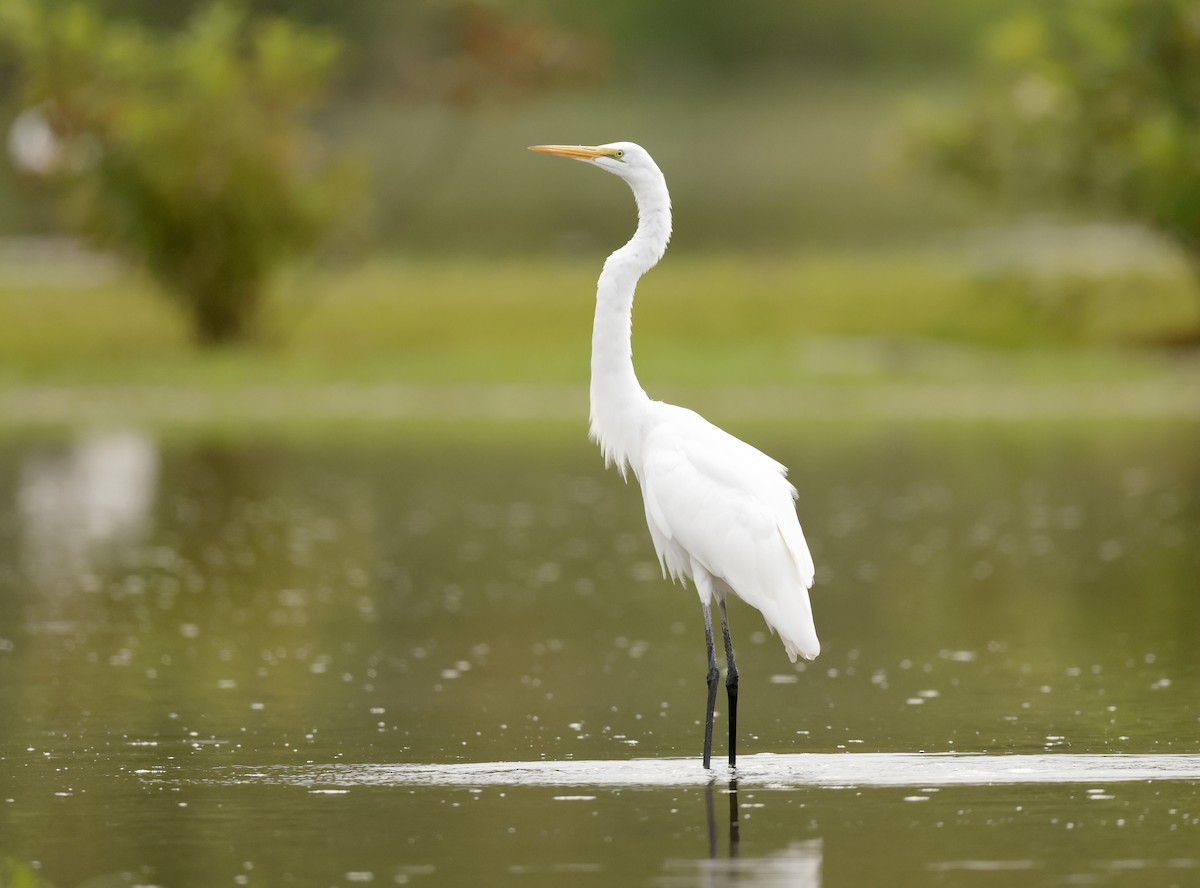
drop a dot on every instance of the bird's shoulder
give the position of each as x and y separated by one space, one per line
681 438
696 473
725 503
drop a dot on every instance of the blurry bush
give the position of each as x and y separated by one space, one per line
189 144
1095 103
692 36
188 153
685 36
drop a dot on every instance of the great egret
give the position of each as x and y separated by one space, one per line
719 511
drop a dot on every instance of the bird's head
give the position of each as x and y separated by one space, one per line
625 159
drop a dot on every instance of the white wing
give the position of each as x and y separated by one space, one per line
716 502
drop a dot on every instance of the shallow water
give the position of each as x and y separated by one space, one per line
766 769
451 659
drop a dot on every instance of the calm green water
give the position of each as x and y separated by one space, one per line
220 661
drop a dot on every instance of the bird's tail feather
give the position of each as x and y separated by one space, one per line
792 618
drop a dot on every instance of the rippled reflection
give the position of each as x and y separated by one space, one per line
798 865
75 507
838 770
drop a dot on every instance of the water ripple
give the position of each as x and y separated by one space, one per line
765 770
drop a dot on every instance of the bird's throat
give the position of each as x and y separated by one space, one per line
618 402
617 398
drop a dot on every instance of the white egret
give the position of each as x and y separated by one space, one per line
719 511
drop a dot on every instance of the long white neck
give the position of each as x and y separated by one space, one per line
619 405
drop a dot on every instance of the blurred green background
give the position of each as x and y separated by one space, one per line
294 341
838 172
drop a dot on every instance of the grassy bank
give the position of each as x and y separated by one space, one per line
955 318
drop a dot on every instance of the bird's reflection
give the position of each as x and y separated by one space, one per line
798 865
734 833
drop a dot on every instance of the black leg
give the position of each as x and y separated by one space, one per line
713 675
731 684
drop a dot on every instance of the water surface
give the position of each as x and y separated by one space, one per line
450 658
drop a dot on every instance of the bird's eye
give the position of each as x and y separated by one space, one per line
620 153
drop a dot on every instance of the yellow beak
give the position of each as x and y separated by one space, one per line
578 152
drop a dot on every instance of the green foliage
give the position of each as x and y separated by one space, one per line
693 36
697 35
1095 102
857 316
188 153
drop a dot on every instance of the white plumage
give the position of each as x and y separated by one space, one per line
720 512
716 505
